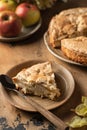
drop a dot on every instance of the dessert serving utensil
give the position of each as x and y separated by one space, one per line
8 84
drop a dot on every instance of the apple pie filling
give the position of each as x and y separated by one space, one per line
38 80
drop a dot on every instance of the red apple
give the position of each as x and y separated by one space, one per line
10 24
8 5
29 13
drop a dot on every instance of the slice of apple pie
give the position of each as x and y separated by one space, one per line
38 80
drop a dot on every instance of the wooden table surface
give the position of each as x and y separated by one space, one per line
33 48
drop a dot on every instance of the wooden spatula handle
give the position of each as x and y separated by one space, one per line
47 114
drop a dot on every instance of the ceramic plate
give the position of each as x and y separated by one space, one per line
25 33
64 80
57 52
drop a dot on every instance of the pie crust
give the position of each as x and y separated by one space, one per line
38 80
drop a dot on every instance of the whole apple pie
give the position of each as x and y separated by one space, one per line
69 23
68 31
38 80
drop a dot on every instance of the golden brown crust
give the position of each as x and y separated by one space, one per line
68 30
38 80
75 56
67 24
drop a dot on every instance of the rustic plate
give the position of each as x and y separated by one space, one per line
57 52
64 80
25 33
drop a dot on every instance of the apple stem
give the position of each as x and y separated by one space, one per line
5 17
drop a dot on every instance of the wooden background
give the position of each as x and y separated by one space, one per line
33 48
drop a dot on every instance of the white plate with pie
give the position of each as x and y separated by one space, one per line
57 52
64 79
25 33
